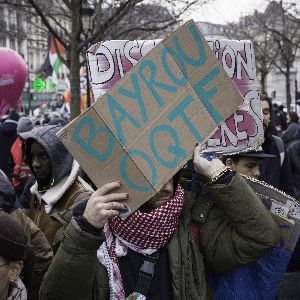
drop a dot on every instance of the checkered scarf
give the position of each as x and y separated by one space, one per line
18 291
141 232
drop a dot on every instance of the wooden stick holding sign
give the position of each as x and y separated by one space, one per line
143 130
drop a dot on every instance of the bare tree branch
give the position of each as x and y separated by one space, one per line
57 23
47 24
112 19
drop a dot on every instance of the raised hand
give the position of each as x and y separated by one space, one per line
103 204
203 166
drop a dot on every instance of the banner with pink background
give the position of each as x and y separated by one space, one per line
109 61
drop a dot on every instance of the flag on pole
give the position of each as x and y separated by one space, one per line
52 61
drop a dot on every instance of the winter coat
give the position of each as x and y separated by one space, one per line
42 252
272 171
234 226
8 134
293 154
68 188
292 134
68 191
37 265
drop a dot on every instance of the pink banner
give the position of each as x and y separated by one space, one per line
111 60
244 128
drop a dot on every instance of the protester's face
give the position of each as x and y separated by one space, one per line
248 166
9 271
266 113
41 164
160 198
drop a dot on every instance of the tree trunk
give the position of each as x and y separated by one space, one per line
75 83
263 82
288 88
75 57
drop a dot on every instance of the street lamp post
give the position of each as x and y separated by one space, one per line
88 11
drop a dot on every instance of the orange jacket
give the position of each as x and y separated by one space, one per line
21 167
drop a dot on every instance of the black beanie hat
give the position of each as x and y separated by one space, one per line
12 238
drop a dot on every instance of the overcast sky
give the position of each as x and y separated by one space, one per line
224 11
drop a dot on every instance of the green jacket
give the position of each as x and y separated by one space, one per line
235 229
42 250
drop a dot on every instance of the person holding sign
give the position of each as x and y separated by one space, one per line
158 252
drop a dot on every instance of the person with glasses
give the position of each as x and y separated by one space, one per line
13 243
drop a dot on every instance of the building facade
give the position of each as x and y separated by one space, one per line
26 34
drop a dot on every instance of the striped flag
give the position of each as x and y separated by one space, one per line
52 61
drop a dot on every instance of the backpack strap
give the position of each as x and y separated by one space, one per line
280 148
146 273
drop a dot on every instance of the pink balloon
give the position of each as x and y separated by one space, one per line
13 73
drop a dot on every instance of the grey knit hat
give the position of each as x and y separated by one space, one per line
61 158
24 124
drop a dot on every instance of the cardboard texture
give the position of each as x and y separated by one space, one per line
143 130
110 60
284 209
286 228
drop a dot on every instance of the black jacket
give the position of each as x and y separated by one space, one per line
7 194
292 134
293 154
272 172
8 134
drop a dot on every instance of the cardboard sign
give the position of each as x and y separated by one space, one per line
144 129
284 209
109 61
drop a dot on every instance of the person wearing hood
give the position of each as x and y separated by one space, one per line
58 185
8 135
39 255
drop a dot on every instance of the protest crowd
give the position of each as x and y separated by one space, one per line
214 229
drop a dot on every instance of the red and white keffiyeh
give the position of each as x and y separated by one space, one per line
141 232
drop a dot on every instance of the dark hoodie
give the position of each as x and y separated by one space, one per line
8 135
60 157
68 188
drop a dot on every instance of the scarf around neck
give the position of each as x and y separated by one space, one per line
18 291
143 233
